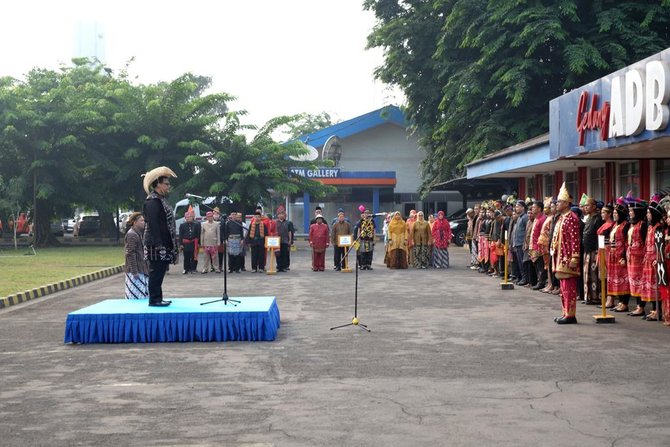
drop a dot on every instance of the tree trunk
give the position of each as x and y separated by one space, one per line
107 228
42 236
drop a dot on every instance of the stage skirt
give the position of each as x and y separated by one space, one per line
137 288
635 275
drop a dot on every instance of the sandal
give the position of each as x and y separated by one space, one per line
621 307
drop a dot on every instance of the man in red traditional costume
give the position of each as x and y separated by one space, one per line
319 240
565 247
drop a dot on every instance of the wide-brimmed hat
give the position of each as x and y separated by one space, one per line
155 174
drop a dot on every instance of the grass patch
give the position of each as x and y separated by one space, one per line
21 272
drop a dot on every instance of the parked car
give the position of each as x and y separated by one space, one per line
87 225
56 227
458 229
68 225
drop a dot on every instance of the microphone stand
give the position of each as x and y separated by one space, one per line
354 321
225 298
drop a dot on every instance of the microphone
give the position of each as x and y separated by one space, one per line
189 195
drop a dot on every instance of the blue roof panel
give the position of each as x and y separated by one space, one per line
388 114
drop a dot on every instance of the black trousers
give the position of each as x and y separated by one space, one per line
235 263
190 264
257 257
284 256
521 273
540 271
366 259
531 274
157 271
338 256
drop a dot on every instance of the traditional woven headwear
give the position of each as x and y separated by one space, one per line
155 174
609 208
621 205
635 203
563 194
655 204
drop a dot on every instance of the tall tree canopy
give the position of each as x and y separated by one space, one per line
81 136
478 74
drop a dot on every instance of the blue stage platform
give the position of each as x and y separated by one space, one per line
133 321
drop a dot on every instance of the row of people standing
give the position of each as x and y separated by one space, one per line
637 251
417 242
239 237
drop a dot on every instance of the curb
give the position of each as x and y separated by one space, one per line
39 292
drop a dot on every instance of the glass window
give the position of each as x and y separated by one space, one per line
571 184
662 174
530 187
597 189
548 185
629 178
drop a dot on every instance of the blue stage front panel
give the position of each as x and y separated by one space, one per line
185 320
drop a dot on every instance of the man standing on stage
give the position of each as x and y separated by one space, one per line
189 234
161 246
566 246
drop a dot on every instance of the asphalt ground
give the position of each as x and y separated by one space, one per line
451 360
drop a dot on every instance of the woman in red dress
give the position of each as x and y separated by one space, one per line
604 230
650 277
637 235
618 285
664 287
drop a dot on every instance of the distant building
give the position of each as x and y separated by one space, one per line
377 164
89 41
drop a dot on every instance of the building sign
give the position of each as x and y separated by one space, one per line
316 173
629 106
638 101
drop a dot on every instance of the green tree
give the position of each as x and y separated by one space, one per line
307 123
478 74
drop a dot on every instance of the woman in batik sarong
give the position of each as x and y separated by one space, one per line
441 241
136 267
422 239
396 250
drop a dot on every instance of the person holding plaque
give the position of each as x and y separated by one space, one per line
319 240
341 227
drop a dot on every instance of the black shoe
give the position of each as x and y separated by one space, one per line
338 269
184 272
522 283
160 303
567 320
281 271
537 287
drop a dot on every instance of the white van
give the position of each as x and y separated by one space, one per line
200 208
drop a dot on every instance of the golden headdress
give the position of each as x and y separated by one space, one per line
563 194
155 174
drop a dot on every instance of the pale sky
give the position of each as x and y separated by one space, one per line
278 57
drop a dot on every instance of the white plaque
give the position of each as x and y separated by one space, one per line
344 240
272 242
601 241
